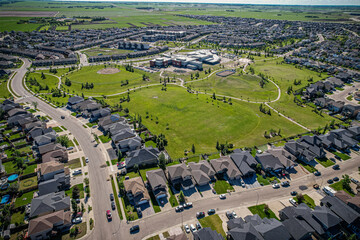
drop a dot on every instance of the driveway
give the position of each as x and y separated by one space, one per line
251 182
147 209
206 190
192 194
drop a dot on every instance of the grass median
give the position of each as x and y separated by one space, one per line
116 198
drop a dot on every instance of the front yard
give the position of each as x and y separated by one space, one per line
338 186
343 156
310 168
325 162
307 200
222 186
75 163
81 190
104 139
259 209
214 222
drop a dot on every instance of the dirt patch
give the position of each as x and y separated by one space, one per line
108 71
27 14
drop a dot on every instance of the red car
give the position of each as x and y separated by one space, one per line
108 215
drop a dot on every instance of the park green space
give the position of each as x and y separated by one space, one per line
104 51
50 81
244 86
188 119
4 91
105 84
284 75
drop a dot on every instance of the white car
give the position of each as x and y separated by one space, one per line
86 160
193 228
77 172
243 184
187 229
234 214
77 220
293 202
222 196
275 185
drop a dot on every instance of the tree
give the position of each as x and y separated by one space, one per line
96 138
76 192
258 168
19 163
193 148
181 197
43 75
162 161
86 181
136 168
5 217
346 183
63 140
35 104
14 188
217 146
266 209
300 198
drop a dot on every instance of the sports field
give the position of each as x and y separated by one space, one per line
105 84
104 51
238 85
199 120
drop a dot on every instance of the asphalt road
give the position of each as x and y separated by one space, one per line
101 187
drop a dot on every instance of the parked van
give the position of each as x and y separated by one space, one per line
329 191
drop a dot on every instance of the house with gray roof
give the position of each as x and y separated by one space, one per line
74 100
142 157
224 165
179 175
286 158
202 172
129 144
122 135
108 120
157 180
49 203
245 162
45 139
207 234
269 162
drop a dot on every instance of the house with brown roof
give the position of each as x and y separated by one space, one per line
53 177
224 165
286 158
202 172
180 175
157 180
136 191
353 202
49 225
59 155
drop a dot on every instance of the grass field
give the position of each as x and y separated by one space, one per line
259 209
105 84
104 51
49 81
284 75
214 222
307 200
244 86
10 24
198 120
4 91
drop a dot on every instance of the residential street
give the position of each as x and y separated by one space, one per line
101 187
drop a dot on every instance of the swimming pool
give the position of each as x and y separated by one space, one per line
13 177
5 199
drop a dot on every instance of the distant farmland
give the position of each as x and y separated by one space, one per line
27 14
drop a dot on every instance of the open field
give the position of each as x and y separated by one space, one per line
49 81
10 24
104 51
27 14
105 84
201 121
244 86
284 75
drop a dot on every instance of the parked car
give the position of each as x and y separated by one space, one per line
198 226
111 197
285 184
293 202
189 204
316 186
330 181
187 229
77 172
200 214
332 159
138 210
95 126
243 184
222 196
70 148
234 214
87 160
108 215
62 117
275 185
335 179
229 215
192 227
211 211
337 157
354 180
317 173
134 228
293 193
179 208
336 167
77 220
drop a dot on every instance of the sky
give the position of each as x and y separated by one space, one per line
280 2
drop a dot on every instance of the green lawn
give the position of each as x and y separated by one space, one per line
18 218
116 198
263 181
172 199
143 172
24 199
154 203
307 200
343 156
82 231
214 222
325 162
80 187
338 187
150 143
259 209
104 139
132 174
75 163
222 186
130 211
50 81
57 129
310 168
105 84
28 183
186 119
104 51
244 86
10 24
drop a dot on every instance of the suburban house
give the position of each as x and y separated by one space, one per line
157 180
49 225
115 128
269 162
100 113
108 120
45 139
202 172
86 107
49 203
286 158
142 157
74 100
207 234
37 131
245 162
122 135
224 165
130 144
60 155
49 148
353 202
53 177
306 149
180 176
136 191
351 111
